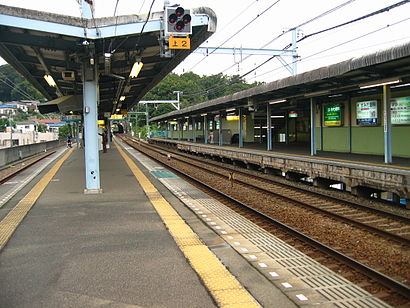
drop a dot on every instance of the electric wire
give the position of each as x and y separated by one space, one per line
290 29
12 85
340 44
310 35
336 54
229 38
331 28
283 33
142 5
142 30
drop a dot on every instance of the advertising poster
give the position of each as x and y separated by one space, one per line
333 115
366 113
400 110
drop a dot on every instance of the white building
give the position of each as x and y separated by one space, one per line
26 126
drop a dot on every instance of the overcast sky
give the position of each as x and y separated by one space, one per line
366 36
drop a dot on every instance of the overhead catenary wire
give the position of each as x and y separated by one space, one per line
237 32
334 54
142 30
283 33
206 91
290 29
338 45
13 85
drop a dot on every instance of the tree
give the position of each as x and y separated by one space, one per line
13 86
64 131
6 123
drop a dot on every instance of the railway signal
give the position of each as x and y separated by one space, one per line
177 21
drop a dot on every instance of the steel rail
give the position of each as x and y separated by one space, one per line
380 277
401 240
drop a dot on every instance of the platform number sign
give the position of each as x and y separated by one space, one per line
333 115
179 43
366 113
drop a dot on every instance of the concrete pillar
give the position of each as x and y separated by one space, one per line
193 130
205 129
387 124
312 127
268 129
220 129
240 127
90 94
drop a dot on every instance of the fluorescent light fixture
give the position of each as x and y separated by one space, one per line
401 85
50 80
380 83
136 68
203 114
335 95
122 98
277 101
277 116
318 93
118 109
231 109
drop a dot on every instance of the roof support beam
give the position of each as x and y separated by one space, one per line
10 58
46 69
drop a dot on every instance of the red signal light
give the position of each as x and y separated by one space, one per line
186 19
180 26
172 18
179 11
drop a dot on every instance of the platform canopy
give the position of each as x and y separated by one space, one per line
39 43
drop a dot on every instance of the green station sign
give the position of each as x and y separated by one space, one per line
333 115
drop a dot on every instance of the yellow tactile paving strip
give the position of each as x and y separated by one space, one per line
13 219
223 286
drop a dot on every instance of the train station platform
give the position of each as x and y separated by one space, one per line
125 247
361 174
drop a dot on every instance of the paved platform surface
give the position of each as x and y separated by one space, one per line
108 250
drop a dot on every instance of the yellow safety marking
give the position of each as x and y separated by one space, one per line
13 219
223 286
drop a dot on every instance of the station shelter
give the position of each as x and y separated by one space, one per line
359 106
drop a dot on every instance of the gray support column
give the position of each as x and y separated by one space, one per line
387 125
179 130
206 129
349 110
77 133
92 162
193 130
108 132
286 128
220 129
312 127
268 128
147 120
240 127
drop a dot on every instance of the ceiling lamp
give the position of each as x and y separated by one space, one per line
136 68
380 83
50 80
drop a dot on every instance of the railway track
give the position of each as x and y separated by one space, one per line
7 172
349 257
386 224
